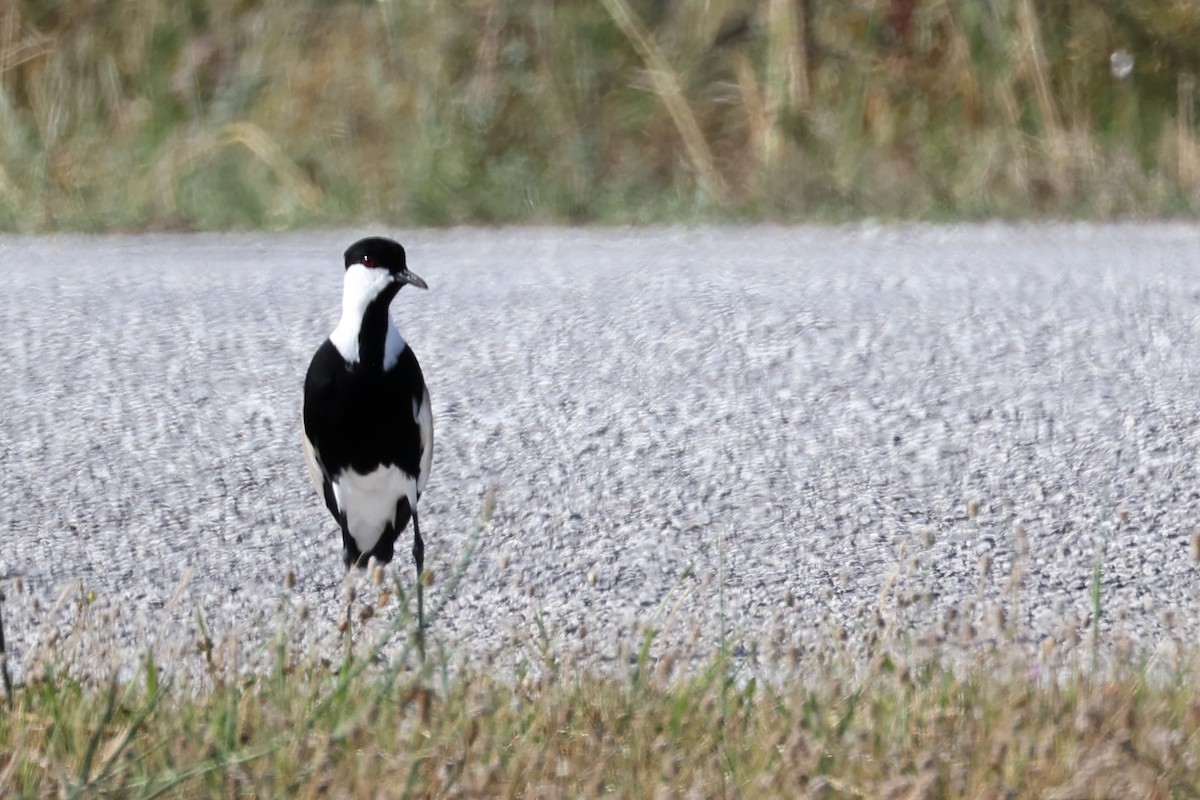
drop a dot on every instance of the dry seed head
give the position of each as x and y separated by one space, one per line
999 618
972 508
1124 646
985 564
794 657
1091 718
1123 515
427 578
289 579
591 577
365 613
1195 548
666 665
377 575
489 503
1022 540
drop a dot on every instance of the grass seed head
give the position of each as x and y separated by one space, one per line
1022 540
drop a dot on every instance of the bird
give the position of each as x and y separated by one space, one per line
367 419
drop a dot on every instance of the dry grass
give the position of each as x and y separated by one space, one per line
880 717
367 727
276 113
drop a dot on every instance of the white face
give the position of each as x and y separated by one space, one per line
361 285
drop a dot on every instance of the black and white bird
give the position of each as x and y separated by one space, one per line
368 426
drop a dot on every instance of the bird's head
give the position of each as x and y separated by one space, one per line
379 263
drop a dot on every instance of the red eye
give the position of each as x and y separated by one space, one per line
368 261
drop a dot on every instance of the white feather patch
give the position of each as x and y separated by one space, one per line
369 501
423 413
360 286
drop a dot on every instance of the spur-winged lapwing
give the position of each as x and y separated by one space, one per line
368 427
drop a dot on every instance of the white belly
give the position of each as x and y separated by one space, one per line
369 501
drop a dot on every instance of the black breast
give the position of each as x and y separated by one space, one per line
359 417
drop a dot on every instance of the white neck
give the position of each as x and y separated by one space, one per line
360 286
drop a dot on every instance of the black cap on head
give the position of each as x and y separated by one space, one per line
377 251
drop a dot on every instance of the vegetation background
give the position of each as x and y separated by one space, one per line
213 114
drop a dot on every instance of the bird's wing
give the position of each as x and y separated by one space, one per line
321 479
423 413
310 458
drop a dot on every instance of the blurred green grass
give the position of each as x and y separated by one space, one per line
147 114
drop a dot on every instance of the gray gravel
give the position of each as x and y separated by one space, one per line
920 427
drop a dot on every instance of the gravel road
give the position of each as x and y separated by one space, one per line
937 429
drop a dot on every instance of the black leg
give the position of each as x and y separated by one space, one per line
349 548
418 552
